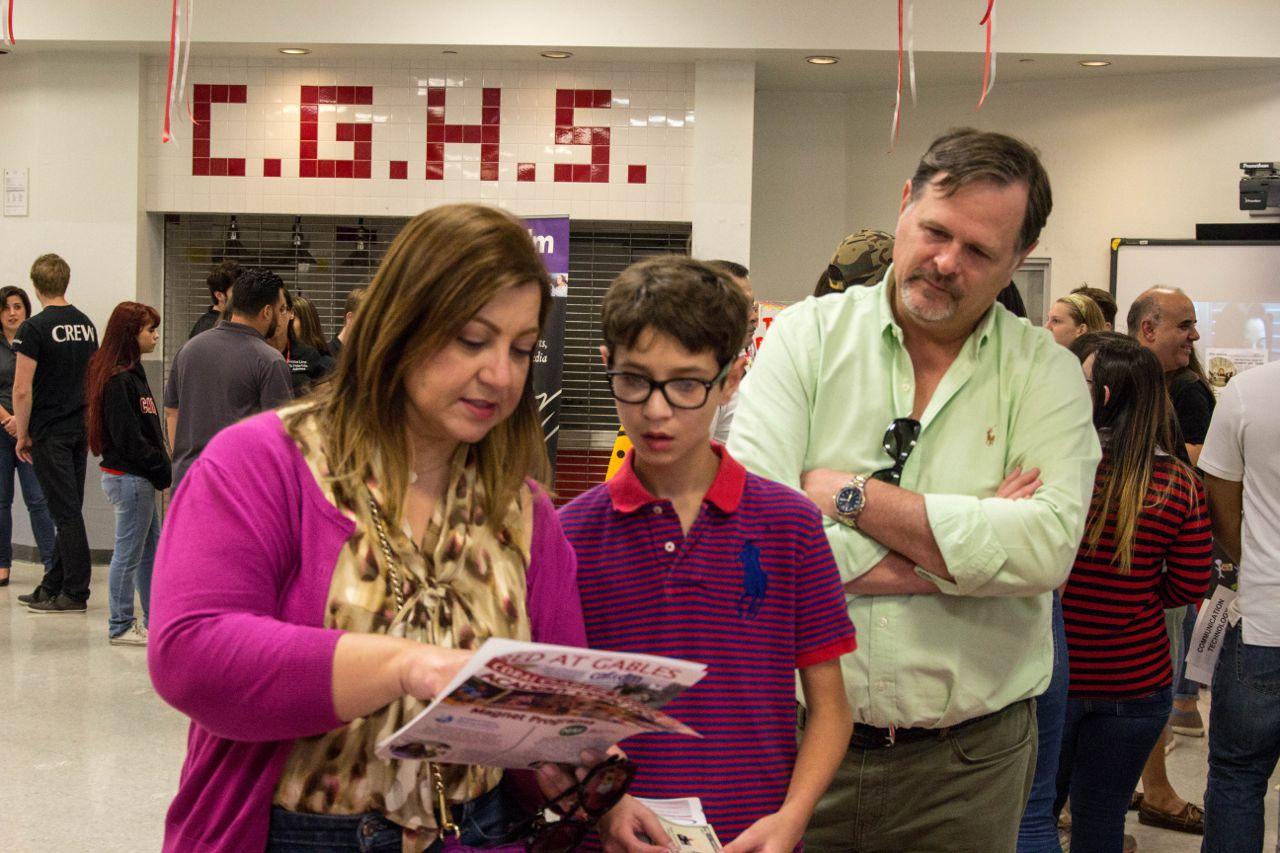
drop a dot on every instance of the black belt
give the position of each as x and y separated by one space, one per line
873 737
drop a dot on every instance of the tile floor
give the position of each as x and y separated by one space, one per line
92 756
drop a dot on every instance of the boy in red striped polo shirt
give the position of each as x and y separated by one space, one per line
684 553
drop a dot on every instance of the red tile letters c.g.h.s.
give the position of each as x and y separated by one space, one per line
439 133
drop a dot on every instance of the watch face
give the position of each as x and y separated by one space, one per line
849 500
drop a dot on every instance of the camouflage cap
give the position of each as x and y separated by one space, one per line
860 259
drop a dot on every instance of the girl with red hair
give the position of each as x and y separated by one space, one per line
124 429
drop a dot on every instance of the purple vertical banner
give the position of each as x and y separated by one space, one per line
551 238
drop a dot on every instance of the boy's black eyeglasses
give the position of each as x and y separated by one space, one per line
600 790
682 393
899 440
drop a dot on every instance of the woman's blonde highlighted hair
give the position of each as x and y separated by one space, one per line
1085 310
446 265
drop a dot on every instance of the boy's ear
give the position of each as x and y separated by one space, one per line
604 355
734 377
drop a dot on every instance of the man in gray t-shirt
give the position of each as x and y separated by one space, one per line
229 372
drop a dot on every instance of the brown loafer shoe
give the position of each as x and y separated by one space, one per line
1135 800
1190 819
1187 723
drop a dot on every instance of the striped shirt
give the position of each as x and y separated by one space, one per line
1116 636
752 591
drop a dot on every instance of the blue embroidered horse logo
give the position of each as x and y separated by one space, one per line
754 581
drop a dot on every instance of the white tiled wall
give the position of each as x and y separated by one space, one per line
651 121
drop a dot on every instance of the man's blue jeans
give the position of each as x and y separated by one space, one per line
37 508
1038 832
134 556
1244 744
1105 744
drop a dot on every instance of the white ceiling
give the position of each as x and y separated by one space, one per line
872 70
776 70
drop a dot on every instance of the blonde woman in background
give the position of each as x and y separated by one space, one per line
1072 316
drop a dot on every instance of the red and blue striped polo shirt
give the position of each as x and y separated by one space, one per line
752 591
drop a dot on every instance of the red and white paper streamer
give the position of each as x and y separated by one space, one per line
989 56
906 34
6 22
179 42
907 57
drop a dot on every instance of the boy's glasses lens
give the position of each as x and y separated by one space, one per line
630 388
686 393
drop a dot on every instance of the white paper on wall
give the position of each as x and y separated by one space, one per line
15 192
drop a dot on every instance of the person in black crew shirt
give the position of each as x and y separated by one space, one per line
54 348
220 281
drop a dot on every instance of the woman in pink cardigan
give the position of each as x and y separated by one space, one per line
326 569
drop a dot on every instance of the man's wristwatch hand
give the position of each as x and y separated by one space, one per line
851 500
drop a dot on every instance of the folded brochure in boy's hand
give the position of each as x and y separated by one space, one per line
685 822
519 704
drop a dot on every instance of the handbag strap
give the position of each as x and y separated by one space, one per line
444 815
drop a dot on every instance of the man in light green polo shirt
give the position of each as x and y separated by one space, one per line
953 526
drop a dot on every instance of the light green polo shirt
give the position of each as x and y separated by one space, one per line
830 377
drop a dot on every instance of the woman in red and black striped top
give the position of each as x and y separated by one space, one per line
1147 546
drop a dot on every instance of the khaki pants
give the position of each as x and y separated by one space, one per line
962 792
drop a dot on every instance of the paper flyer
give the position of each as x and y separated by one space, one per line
519 704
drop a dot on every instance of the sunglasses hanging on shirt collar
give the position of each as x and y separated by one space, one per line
899 440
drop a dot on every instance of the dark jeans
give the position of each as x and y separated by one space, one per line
1105 744
1038 832
32 496
60 464
1244 744
486 821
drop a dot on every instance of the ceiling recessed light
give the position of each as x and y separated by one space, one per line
556 54
295 51
1094 63
821 60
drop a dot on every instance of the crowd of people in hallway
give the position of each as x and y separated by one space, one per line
943 566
